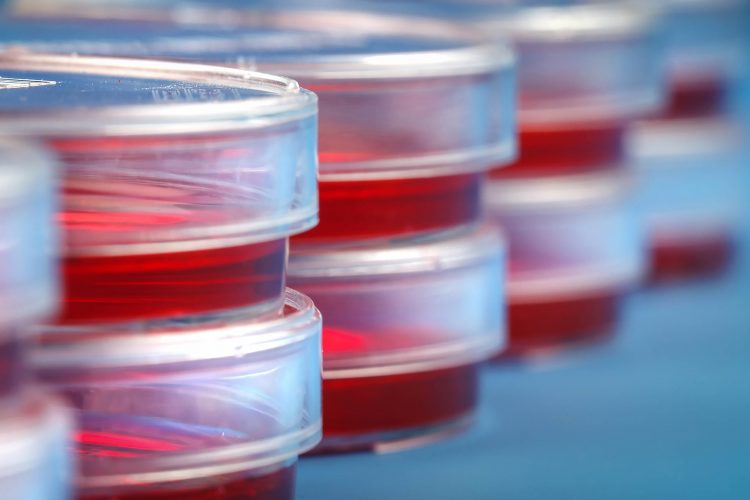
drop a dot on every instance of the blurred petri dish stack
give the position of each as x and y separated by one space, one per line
586 71
692 155
191 370
413 114
34 427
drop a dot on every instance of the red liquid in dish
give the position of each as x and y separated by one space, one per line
694 258
558 323
114 288
567 149
394 207
278 485
402 405
696 98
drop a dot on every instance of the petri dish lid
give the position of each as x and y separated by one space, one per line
578 60
559 192
50 95
583 61
28 275
426 254
135 344
161 155
383 80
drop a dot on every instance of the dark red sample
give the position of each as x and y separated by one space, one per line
562 149
394 207
691 259
396 404
128 287
697 97
551 324
278 485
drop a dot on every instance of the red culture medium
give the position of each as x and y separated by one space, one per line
567 149
394 207
278 485
545 151
391 407
567 321
128 287
698 97
692 258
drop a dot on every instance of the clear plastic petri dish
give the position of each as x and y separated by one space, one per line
691 194
406 326
575 251
28 274
413 111
586 70
36 463
195 409
181 183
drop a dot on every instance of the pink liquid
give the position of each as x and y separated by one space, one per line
395 207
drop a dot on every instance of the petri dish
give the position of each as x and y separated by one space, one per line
406 327
192 408
383 82
181 183
575 252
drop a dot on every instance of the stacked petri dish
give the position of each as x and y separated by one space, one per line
692 156
33 427
586 71
399 255
190 368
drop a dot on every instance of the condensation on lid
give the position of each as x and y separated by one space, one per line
561 191
432 253
63 95
175 341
